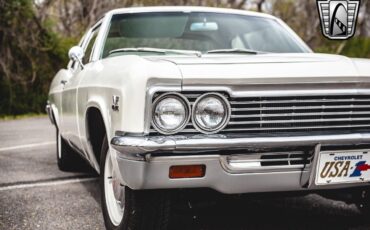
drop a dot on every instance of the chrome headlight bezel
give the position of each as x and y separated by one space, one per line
226 118
184 101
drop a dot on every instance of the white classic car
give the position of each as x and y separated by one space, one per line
165 98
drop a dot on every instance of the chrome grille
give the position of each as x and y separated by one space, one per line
295 114
300 113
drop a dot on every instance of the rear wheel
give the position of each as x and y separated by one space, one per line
124 208
67 159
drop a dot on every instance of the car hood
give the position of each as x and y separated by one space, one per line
269 68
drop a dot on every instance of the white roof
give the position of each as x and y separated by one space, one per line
187 9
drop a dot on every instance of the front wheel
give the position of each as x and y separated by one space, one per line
124 208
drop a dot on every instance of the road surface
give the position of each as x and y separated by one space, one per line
34 194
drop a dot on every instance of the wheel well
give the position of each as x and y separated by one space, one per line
95 131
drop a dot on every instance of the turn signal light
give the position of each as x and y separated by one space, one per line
187 171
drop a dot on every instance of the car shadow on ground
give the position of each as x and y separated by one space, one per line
221 212
92 188
264 212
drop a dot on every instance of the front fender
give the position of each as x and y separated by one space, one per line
129 78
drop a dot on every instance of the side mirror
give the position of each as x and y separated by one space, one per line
76 53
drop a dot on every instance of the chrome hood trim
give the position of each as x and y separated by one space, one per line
250 58
262 69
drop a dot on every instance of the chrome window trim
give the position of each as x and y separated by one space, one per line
98 26
105 22
226 118
100 40
186 121
302 44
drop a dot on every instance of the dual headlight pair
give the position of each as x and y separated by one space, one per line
210 113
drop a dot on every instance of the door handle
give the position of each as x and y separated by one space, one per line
63 82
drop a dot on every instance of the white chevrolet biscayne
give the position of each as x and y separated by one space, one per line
159 99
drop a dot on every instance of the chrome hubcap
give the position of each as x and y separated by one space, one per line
114 192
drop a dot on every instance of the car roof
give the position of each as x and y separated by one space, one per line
187 9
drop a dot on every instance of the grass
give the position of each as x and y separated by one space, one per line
21 116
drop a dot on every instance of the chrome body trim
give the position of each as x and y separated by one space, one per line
236 91
115 103
252 163
49 111
308 180
143 145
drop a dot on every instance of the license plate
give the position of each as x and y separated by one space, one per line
337 167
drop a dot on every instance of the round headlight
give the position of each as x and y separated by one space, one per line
211 113
171 113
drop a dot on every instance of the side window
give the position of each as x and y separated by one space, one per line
90 45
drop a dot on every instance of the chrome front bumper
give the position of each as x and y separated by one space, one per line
140 146
141 168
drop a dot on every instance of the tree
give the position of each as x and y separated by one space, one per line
35 36
30 53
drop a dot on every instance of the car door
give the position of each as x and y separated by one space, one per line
70 125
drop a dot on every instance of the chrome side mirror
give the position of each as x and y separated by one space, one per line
76 53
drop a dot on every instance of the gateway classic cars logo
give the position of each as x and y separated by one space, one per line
338 18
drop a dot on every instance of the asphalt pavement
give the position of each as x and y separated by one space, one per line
34 194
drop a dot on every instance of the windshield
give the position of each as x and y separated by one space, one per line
196 31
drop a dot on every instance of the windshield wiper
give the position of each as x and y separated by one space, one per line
157 50
236 51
